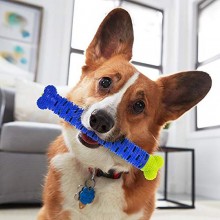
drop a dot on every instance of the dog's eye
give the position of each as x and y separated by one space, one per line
138 107
105 82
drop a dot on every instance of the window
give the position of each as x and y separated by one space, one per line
208 60
148 34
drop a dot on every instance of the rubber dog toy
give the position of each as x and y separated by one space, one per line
126 149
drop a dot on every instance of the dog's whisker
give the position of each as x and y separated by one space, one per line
157 141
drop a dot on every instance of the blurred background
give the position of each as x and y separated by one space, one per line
43 42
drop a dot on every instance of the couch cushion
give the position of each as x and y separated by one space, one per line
22 177
8 94
28 137
26 96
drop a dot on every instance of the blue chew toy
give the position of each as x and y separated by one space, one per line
126 149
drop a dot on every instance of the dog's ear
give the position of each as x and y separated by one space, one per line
180 92
114 36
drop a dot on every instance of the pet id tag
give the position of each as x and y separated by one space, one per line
86 194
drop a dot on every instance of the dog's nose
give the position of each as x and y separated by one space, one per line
101 121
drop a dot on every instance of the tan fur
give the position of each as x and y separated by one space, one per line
166 99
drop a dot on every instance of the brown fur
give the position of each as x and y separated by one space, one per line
139 193
166 99
52 194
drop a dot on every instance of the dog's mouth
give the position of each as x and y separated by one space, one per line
90 143
87 141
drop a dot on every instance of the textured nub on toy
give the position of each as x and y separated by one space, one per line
152 166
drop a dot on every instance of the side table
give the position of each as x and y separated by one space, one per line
178 205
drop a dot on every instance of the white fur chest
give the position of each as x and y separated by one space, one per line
109 199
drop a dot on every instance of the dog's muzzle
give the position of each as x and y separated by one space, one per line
101 121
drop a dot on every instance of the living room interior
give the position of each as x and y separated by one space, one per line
43 43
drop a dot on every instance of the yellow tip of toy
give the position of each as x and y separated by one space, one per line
152 166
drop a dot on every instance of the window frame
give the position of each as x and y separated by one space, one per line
204 62
142 64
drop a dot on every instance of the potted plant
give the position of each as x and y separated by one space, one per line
164 135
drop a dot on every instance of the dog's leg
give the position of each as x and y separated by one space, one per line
42 214
149 209
52 209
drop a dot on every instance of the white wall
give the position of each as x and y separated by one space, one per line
176 49
56 36
206 143
55 40
207 147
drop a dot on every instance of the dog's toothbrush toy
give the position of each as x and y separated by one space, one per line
127 150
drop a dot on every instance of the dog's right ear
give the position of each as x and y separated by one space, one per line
113 37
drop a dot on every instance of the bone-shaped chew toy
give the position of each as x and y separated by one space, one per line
126 149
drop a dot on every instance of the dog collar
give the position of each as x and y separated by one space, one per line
112 174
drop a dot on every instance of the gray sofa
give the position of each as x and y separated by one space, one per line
23 147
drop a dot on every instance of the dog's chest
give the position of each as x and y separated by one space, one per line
109 199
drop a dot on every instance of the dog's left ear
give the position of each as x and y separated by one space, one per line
180 92
114 36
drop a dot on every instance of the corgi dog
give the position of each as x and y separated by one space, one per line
119 102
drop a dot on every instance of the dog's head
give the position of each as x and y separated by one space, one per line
120 102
